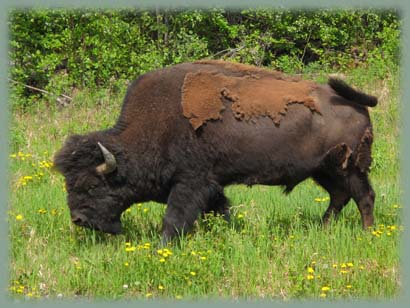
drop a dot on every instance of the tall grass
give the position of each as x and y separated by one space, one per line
274 246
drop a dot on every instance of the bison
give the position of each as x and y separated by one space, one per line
188 130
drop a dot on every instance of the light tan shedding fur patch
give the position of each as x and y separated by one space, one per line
251 95
201 97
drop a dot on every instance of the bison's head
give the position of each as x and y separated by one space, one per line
95 181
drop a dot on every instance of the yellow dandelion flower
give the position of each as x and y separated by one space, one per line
325 288
128 210
146 210
162 260
310 270
161 287
168 252
192 273
148 295
126 264
42 211
160 251
343 272
130 249
318 199
239 216
350 264
19 217
203 258
349 286
310 277
322 295
193 253
334 265
127 244
147 245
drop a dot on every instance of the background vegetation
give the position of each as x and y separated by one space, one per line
275 247
60 50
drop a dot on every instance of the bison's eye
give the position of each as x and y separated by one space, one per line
93 191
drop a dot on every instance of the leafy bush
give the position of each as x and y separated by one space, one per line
58 50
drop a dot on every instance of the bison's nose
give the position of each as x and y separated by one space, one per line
78 219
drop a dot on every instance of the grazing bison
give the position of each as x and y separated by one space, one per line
187 131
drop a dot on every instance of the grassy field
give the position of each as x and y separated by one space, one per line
274 247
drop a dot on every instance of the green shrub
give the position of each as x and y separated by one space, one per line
58 50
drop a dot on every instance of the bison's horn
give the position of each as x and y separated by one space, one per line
110 164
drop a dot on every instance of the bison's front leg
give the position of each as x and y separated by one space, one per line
217 202
185 202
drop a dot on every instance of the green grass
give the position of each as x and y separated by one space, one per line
274 247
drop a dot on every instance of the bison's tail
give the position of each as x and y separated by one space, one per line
346 91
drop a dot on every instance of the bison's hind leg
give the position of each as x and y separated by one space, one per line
360 187
341 189
339 195
333 179
364 195
344 174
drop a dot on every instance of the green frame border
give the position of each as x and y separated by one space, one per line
5 6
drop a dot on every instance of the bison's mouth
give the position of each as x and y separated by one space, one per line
81 220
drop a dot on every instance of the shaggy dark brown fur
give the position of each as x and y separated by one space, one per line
160 157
